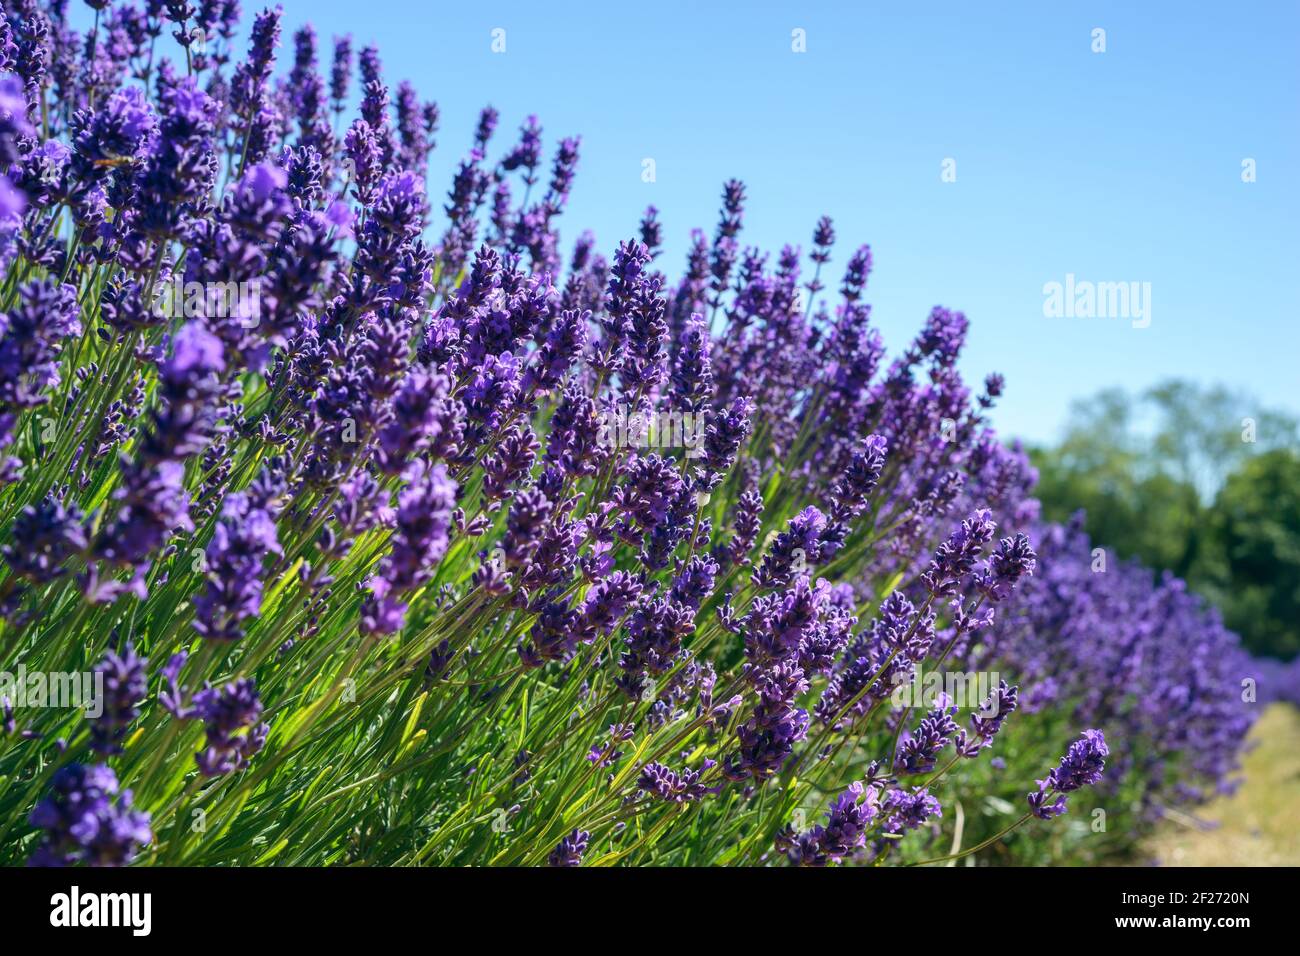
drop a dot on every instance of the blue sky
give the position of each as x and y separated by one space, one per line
1115 166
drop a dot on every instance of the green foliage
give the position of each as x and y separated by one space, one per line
1255 532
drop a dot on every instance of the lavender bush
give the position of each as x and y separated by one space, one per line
394 534
1112 645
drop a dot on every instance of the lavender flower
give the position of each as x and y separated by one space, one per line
87 819
1011 560
569 851
956 557
670 786
50 534
423 518
124 688
917 754
848 820
180 167
1001 703
908 810
340 72
231 717
244 537
722 437
31 340
850 492
1082 766
792 551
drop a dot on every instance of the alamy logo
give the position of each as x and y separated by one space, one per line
964 690
1083 299
671 429
241 301
73 909
58 689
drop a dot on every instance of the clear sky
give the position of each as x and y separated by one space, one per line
1117 166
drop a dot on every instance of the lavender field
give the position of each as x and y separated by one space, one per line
353 518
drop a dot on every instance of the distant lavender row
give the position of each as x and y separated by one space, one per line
1277 680
364 576
1121 648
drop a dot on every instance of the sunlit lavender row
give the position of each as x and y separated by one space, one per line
386 527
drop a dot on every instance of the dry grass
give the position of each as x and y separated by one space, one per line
1260 824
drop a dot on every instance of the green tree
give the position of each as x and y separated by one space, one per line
1153 473
1255 530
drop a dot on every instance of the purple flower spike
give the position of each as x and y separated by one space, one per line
570 850
125 686
909 810
918 753
244 537
420 540
847 821
235 733
1082 766
1011 560
87 819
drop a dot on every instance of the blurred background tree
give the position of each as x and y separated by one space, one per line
1198 481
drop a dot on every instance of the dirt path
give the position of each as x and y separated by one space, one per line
1260 824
